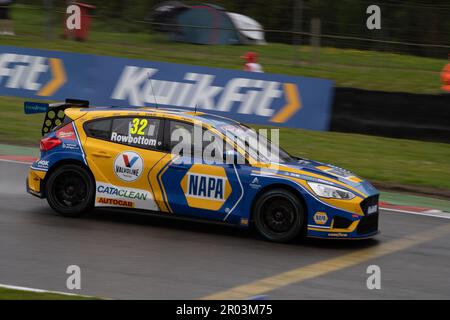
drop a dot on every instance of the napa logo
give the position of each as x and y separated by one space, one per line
206 187
320 218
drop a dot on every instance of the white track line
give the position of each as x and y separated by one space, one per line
15 161
6 286
430 213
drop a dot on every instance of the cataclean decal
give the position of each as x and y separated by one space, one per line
124 193
141 198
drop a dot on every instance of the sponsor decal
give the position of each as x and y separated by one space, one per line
70 146
339 172
244 221
115 202
255 183
206 187
142 199
340 235
43 164
35 107
66 133
303 162
320 218
372 209
140 140
128 166
301 176
123 193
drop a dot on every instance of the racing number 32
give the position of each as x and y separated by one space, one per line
137 126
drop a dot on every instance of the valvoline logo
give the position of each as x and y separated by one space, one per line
128 166
129 163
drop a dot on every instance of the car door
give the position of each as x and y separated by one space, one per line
122 152
195 186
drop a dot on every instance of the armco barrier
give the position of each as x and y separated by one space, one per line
257 98
392 114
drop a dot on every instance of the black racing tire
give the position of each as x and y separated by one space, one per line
70 190
279 215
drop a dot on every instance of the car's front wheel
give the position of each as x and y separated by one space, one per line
70 190
279 215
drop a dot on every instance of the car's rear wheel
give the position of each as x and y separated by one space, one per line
70 190
279 215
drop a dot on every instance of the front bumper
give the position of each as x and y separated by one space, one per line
366 227
348 225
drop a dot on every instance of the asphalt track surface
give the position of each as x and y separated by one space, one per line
132 256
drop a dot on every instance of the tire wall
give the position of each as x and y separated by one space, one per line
391 114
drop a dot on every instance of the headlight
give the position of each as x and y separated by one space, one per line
326 191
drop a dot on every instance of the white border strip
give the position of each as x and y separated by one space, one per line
429 213
16 161
6 286
240 198
79 142
317 226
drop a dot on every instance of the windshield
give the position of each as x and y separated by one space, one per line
258 146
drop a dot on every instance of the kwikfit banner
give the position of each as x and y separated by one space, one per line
259 98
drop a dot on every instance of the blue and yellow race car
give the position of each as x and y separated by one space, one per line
124 157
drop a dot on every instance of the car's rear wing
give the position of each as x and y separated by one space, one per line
54 112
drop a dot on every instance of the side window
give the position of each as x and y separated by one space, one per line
181 140
141 132
180 132
100 129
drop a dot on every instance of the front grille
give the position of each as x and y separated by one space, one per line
368 204
368 224
341 223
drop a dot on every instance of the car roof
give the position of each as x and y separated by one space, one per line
208 118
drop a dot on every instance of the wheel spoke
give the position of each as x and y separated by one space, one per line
278 214
70 189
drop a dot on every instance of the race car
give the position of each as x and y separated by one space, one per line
125 157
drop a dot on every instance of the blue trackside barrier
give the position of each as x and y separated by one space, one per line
258 98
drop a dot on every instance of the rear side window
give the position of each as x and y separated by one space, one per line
141 132
100 129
